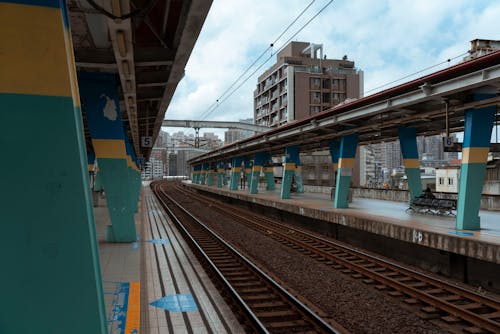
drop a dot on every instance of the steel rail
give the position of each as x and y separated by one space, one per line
302 308
461 312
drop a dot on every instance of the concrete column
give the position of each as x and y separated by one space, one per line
290 164
269 174
204 173
97 179
477 136
210 174
235 173
347 154
259 159
408 142
334 147
221 173
248 171
196 174
51 274
100 100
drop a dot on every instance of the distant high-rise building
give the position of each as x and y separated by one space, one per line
302 83
172 164
233 135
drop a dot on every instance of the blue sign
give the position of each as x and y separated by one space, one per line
176 303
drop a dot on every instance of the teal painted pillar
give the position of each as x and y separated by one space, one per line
100 101
221 173
289 166
210 174
408 142
477 136
197 174
259 159
347 154
98 180
51 276
248 172
269 175
204 173
235 173
224 179
334 147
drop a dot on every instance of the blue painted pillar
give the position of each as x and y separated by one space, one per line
51 276
334 146
221 173
347 154
408 142
248 171
204 172
212 169
269 174
290 163
235 173
259 159
477 136
224 178
196 174
100 101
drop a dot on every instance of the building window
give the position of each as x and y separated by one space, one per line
450 181
315 83
441 180
315 97
315 110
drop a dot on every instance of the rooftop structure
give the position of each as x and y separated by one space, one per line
303 82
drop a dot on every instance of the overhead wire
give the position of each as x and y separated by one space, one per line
220 101
418 72
215 104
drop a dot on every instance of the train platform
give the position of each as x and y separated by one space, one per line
383 218
156 285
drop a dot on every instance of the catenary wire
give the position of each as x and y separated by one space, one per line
219 102
215 104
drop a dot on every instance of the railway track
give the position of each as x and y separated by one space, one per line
268 306
457 308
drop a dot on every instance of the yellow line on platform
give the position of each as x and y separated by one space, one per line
133 320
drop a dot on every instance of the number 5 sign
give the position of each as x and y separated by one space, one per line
147 141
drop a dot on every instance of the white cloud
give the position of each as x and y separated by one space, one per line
387 39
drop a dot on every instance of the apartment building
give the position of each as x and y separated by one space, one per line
303 82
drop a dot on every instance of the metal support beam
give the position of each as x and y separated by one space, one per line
214 124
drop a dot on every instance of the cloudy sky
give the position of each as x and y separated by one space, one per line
387 39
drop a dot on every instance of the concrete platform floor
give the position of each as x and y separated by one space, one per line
156 285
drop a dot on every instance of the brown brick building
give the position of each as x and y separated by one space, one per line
302 83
